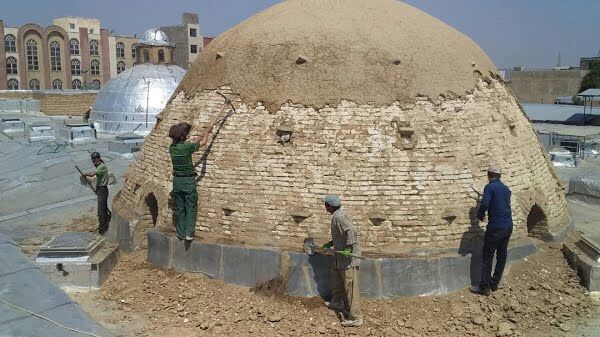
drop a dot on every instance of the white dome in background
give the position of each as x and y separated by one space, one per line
155 37
131 101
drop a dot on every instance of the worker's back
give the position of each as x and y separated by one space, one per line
181 158
499 211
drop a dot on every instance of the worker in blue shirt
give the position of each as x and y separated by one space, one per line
496 201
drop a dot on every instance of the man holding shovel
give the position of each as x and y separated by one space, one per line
344 273
101 191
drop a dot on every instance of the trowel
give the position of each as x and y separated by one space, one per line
311 248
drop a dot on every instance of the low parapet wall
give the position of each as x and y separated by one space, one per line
51 102
303 275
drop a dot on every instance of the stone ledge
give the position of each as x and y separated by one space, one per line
587 269
308 275
120 232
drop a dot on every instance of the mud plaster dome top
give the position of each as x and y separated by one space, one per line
415 117
318 52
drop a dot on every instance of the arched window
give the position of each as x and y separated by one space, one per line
94 48
96 85
76 84
74 47
120 67
10 43
133 52
34 84
57 84
32 55
161 55
55 56
13 84
75 67
95 67
11 65
120 50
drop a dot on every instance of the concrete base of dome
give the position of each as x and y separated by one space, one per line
584 257
120 232
303 275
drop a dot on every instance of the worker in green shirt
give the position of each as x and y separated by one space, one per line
101 175
184 192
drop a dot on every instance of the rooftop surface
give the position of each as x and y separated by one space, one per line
39 182
571 130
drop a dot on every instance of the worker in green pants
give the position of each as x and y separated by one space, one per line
184 177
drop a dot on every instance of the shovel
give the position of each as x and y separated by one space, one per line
311 248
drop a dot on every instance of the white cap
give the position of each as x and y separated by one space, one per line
494 169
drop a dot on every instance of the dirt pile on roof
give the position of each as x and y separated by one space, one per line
539 297
318 52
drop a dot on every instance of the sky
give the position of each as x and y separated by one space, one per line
528 33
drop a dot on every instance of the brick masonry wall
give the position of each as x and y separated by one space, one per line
404 171
56 103
67 105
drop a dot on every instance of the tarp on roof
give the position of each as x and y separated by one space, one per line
586 188
23 285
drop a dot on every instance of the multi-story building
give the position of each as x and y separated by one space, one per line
187 38
76 53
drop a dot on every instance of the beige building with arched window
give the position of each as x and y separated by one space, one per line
76 53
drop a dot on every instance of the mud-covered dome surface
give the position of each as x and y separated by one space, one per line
319 52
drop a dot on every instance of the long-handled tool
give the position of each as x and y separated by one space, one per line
479 194
84 178
311 248
228 103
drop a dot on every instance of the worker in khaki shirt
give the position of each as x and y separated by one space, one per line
101 175
344 272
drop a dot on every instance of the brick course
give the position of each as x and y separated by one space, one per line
404 171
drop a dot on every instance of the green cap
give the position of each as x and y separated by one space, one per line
333 200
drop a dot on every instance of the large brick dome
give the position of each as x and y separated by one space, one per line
373 99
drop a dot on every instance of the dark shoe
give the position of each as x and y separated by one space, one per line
337 306
480 291
493 287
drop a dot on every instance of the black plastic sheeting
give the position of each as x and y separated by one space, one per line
22 284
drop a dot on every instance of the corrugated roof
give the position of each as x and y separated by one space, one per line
554 112
591 132
590 93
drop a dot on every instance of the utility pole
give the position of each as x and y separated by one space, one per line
147 99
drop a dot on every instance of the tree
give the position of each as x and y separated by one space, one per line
591 80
